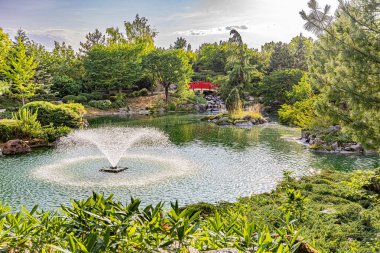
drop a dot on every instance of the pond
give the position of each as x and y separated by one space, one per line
200 162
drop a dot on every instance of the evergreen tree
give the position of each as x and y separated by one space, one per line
180 43
300 54
19 72
346 64
139 31
92 39
281 57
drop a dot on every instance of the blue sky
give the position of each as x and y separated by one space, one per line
199 21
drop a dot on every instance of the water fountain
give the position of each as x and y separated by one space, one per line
114 142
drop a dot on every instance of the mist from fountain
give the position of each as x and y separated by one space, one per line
113 142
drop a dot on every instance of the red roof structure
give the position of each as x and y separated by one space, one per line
201 85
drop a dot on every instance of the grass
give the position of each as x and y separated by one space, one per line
338 213
253 111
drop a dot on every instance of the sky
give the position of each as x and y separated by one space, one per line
198 21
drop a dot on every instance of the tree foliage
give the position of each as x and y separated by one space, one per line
19 72
168 67
116 66
346 64
92 39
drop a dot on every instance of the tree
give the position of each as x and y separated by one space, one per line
168 67
92 39
180 43
114 36
274 88
66 69
281 57
345 66
302 50
5 46
238 65
113 67
138 31
212 58
19 72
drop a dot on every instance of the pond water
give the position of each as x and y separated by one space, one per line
199 162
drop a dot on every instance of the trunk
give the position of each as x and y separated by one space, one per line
167 93
23 101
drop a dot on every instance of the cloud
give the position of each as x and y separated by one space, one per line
241 27
202 32
48 36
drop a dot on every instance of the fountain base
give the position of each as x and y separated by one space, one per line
113 169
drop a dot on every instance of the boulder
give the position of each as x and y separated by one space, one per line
357 147
242 123
224 123
335 146
336 128
318 141
247 117
14 147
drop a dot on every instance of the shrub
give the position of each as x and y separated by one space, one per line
101 104
144 92
95 95
233 102
76 107
58 115
8 129
134 94
75 99
52 133
27 123
119 101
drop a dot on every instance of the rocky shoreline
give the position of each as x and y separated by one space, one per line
244 122
317 144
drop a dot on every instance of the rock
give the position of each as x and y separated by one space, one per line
242 123
318 141
371 152
357 147
247 117
336 128
14 147
35 143
224 123
3 110
335 146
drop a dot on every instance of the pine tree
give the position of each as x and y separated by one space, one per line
346 64
19 72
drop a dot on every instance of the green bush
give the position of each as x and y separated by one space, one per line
144 92
118 101
74 99
8 129
76 107
134 94
28 125
95 95
101 104
58 115
52 133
